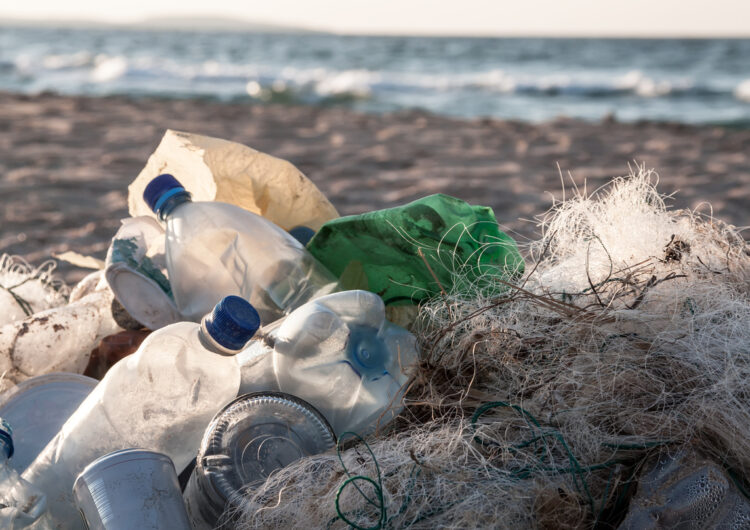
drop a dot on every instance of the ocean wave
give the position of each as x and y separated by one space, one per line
742 91
83 68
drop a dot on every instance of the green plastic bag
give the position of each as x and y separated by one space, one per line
408 253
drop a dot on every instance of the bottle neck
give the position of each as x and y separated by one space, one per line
170 203
6 447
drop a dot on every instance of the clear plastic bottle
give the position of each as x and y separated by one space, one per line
249 439
21 504
160 399
214 249
338 353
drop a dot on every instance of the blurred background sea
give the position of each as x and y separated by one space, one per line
697 81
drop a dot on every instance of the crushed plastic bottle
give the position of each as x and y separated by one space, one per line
131 489
21 504
135 269
338 353
252 437
215 249
160 398
58 339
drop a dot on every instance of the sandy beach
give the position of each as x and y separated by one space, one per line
65 162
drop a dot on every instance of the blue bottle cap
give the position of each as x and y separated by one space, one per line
6 438
160 189
233 322
302 234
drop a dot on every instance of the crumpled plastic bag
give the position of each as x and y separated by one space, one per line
215 169
136 272
409 253
58 339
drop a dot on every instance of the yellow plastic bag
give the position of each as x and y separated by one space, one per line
215 169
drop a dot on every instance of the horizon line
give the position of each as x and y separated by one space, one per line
226 24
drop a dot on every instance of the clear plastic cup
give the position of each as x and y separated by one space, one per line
38 407
128 489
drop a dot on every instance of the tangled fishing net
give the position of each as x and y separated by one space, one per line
628 336
25 290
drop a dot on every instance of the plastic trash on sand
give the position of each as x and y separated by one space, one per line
689 492
38 407
215 169
21 504
216 249
380 251
160 398
25 290
131 489
341 355
58 339
251 438
136 273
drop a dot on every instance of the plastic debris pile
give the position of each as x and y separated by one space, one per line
258 362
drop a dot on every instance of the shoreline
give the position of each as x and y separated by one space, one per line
66 161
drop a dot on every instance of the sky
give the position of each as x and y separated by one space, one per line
658 18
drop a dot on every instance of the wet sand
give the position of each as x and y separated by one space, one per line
65 162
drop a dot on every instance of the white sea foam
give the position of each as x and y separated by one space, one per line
109 68
742 92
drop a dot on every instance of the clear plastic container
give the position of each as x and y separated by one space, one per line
131 489
252 437
215 249
38 407
21 504
338 353
160 398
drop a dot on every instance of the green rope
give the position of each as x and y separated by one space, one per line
542 450
377 484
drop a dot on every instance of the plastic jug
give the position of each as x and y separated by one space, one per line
160 399
215 249
338 353
21 504
253 436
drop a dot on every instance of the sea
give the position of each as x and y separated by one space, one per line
696 81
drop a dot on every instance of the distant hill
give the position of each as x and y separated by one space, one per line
215 23
186 23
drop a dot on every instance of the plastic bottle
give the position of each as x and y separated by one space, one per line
338 353
160 399
21 504
249 439
131 489
214 249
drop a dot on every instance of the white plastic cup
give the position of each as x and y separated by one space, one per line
128 489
